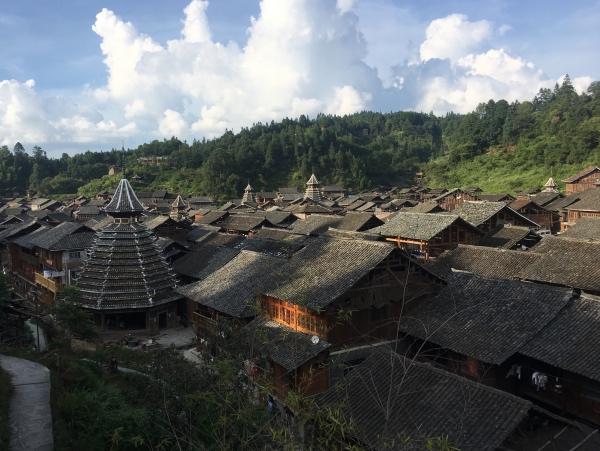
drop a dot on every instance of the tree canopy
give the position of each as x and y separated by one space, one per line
500 145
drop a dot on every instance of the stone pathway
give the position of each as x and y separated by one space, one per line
30 412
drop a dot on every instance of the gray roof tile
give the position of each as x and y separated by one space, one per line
487 319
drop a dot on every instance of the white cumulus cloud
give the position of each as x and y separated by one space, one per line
454 36
300 57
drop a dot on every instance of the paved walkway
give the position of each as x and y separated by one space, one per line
30 412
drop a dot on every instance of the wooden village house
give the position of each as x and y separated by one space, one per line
48 259
301 303
427 235
583 181
490 216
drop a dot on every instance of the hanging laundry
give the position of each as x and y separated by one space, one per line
539 380
514 371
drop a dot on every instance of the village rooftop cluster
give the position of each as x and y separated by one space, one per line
481 309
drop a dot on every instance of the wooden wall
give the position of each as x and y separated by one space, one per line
584 183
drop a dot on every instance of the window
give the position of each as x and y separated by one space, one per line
75 254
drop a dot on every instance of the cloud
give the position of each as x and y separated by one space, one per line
456 73
195 25
300 57
454 36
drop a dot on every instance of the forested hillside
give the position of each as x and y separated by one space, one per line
499 147
509 147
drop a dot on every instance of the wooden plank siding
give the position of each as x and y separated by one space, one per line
584 183
295 317
573 215
453 200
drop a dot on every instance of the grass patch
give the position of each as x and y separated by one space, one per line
505 173
5 393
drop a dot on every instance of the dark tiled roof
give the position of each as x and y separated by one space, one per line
588 201
397 403
425 207
124 200
354 205
418 226
358 221
367 206
326 269
233 288
585 228
517 204
561 203
97 202
204 261
277 217
477 212
224 239
99 223
25 240
15 229
53 236
314 224
242 223
124 269
212 217
570 342
88 210
581 174
282 345
75 241
276 248
495 197
270 233
545 197
507 237
484 261
152 222
198 233
566 261
49 216
447 193
309 207
487 319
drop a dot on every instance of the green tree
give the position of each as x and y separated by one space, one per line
71 317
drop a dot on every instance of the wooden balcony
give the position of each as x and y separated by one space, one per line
205 326
47 283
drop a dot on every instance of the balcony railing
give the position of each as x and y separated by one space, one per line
47 283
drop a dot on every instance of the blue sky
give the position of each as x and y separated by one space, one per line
300 56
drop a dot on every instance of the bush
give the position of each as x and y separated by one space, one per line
5 393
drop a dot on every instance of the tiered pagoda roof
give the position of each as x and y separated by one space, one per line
124 268
313 189
248 196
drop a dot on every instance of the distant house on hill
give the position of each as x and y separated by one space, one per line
114 170
584 180
453 198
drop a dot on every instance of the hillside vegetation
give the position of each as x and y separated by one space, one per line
500 146
511 147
